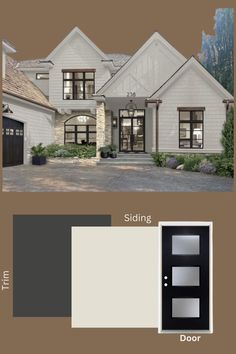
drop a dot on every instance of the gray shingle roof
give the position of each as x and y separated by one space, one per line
17 84
118 58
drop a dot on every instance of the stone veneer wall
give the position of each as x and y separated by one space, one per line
104 126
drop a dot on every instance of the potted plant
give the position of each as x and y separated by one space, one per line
38 153
104 150
113 151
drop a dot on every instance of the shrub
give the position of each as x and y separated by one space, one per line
192 162
227 139
38 150
52 148
160 159
71 150
62 153
180 159
224 166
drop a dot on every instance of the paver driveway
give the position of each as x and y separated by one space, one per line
64 177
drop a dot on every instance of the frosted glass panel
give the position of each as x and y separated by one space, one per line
185 276
185 245
189 307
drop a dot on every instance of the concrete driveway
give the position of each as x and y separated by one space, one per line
60 177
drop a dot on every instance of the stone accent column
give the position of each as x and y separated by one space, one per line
101 125
59 128
108 128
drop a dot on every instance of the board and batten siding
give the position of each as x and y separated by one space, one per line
76 54
146 72
38 123
191 90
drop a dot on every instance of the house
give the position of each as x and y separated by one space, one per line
28 117
153 101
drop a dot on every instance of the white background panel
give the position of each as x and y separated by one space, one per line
114 277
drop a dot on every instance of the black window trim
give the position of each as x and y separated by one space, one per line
191 122
73 80
37 78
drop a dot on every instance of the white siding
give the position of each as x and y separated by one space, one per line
190 90
38 123
76 54
43 85
146 73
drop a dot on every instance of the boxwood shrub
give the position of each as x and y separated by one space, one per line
71 150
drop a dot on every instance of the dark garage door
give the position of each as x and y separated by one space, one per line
13 142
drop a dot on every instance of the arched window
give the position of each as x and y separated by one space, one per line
80 130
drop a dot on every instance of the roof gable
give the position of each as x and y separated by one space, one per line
67 39
155 39
17 84
199 68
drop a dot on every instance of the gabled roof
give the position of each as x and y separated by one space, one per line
155 36
17 84
192 62
76 30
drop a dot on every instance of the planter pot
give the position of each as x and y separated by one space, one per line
104 155
113 155
39 160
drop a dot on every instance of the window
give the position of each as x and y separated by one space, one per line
191 129
78 84
42 76
80 130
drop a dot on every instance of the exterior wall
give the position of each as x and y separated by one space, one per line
191 90
38 123
43 85
146 73
77 54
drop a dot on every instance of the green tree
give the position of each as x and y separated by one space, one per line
227 139
217 50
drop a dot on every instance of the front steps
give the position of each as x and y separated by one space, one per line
128 159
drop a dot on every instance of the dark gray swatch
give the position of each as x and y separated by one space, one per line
42 262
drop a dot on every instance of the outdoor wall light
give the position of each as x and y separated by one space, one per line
131 107
114 122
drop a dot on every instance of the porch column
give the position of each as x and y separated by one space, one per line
101 123
154 128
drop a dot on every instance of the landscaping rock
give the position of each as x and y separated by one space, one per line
180 167
207 167
172 163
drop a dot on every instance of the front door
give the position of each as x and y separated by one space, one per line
185 278
132 131
13 142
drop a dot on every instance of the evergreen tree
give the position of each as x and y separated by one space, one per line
217 50
227 139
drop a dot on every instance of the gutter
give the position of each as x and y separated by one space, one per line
29 100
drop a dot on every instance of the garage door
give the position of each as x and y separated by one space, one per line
13 142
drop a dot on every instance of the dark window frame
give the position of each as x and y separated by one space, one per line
77 132
191 121
75 80
37 74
